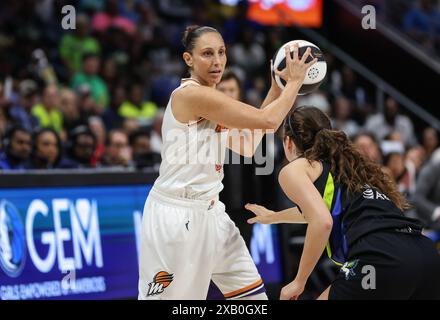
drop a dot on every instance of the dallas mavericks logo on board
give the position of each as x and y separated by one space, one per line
12 240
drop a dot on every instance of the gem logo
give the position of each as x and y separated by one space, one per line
161 280
12 240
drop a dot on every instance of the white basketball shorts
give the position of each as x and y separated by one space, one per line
186 243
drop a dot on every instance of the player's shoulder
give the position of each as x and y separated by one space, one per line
190 93
311 168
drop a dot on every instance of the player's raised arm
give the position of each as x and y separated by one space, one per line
215 106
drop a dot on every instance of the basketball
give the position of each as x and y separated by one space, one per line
315 74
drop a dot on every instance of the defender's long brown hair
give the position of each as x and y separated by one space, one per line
315 140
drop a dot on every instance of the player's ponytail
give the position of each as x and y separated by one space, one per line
192 33
315 140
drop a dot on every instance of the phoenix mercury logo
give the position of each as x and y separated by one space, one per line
161 280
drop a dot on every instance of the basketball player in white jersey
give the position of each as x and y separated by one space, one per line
187 238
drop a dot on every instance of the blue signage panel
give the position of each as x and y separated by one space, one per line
69 243
82 242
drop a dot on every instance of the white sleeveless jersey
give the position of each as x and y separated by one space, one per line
192 156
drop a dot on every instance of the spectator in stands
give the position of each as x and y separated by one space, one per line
402 172
20 112
430 141
391 120
48 110
46 152
87 106
427 195
137 107
367 145
82 147
422 23
111 17
96 125
256 93
142 154
74 45
415 158
16 149
130 126
3 123
111 117
117 150
69 107
353 90
156 133
317 99
89 76
248 54
342 119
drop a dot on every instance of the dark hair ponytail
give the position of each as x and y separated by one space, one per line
314 139
192 33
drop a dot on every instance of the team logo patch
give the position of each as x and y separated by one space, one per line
348 269
161 280
12 240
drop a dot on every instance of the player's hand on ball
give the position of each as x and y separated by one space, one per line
292 291
296 68
262 215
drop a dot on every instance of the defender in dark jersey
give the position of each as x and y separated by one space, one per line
354 211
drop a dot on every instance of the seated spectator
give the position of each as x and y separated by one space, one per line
70 109
422 23
427 195
20 112
317 99
136 107
351 88
130 126
117 150
89 76
48 111
110 17
74 45
97 126
402 172
16 149
391 120
82 148
156 133
417 156
368 146
430 141
3 123
248 54
87 106
143 156
47 153
111 117
341 119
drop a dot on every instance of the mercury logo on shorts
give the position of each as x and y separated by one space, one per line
161 280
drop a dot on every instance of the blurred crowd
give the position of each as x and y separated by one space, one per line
418 19
94 96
